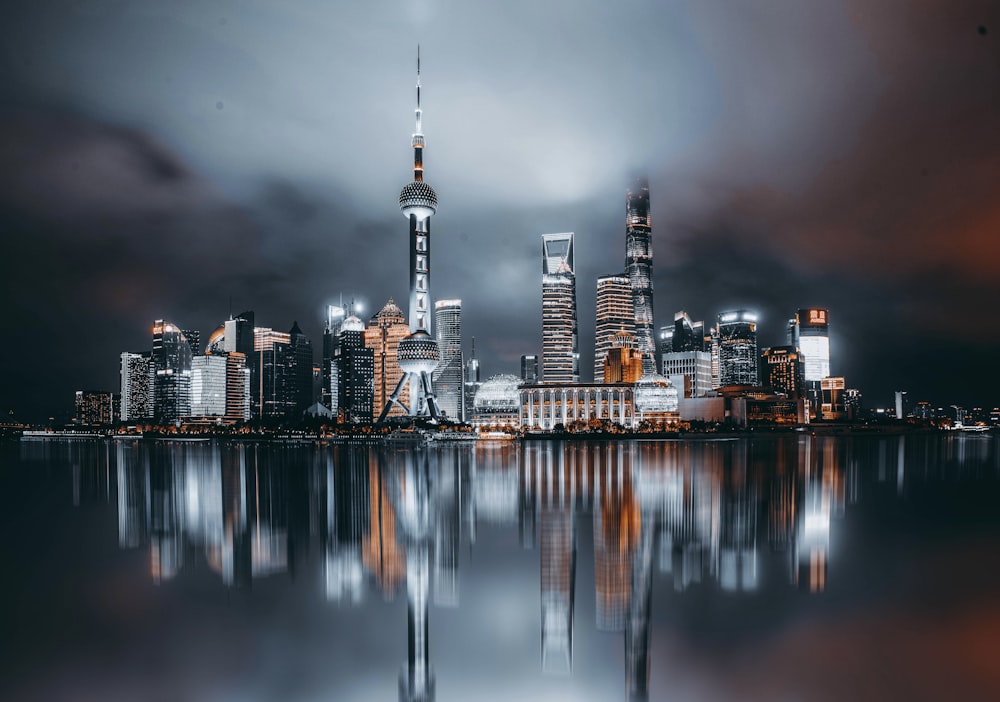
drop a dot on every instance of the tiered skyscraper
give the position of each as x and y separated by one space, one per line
418 353
560 352
639 267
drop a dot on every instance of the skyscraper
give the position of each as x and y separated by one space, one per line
615 313
208 386
738 348
136 387
418 353
301 360
356 373
472 381
172 367
809 331
688 335
335 315
623 360
560 353
448 377
529 368
271 375
639 266
384 332
237 387
783 370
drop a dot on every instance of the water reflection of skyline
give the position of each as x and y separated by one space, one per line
686 514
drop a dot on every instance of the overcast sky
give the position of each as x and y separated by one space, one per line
158 160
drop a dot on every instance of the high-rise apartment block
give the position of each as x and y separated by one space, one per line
136 386
738 348
615 313
449 375
560 352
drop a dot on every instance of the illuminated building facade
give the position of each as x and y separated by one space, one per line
639 265
237 387
809 331
448 376
688 335
208 386
272 391
694 366
738 348
560 352
833 407
384 332
94 407
172 373
623 360
356 373
136 386
497 402
783 370
546 405
335 315
418 354
193 337
472 381
615 313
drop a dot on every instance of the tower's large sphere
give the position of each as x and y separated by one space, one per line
418 198
418 353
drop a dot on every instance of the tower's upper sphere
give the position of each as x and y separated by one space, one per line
418 198
418 353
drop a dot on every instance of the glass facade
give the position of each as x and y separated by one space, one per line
208 386
738 348
639 264
809 330
448 376
615 313
172 373
560 351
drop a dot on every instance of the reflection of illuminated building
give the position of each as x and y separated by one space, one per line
557 551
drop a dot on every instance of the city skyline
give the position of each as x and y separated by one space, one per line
156 190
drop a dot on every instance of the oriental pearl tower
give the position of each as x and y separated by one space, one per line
418 353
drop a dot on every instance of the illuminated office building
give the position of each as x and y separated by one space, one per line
172 372
237 387
688 335
448 376
783 370
193 337
136 386
694 366
615 313
560 353
472 381
208 386
384 332
335 315
738 348
712 346
271 394
639 265
94 407
623 360
809 331
833 395
417 354
356 373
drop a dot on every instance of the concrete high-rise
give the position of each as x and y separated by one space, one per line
639 266
738 348
384 332
208 386
560 352
615 313
449 375
418 354
694 366
237 387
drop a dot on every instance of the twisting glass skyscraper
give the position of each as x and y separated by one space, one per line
418 353
639 267
560 354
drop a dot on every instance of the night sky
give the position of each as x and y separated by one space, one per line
159 159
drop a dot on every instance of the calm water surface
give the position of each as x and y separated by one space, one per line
797 568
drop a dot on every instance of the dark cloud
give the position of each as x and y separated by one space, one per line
800 153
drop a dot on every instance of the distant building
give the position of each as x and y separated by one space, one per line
208 386
136 386
497 403
237 387
833 407
94 407
335 315
694 366
688 335
193 337
472 381
809 331
615 313
623 360
639 266
301 362
356 372
171 359
529 368
272 393
738 348
449 375
560 352
783 370
384 332
545 405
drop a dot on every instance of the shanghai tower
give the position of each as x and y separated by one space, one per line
639 267
418 353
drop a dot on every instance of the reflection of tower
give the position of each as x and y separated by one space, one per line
560 354
639 265
616 530
557 551
637 625
418 353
